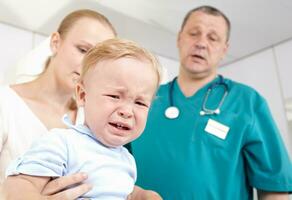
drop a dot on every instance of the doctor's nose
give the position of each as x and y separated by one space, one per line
201 43
200 46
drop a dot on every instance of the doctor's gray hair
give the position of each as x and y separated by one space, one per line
211 11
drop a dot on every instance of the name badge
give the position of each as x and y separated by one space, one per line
215 128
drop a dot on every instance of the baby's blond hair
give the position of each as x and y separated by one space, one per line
114 49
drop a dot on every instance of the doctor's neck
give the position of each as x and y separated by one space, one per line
191 83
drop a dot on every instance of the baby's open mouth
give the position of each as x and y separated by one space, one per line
120 126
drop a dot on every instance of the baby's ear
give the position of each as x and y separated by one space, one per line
80 94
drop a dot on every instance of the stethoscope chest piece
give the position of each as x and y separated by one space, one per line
172 112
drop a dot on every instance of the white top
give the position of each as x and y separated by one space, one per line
19 127
111 171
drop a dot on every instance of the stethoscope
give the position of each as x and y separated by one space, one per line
172 112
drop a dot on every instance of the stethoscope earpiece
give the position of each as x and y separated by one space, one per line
202 113
217 111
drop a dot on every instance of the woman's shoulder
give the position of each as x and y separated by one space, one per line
20 89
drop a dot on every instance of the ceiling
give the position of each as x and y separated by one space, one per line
256 24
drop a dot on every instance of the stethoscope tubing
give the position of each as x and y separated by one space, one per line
172 111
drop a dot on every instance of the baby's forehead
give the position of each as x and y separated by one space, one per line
103 63
122 68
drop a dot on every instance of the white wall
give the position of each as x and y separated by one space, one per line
283 54
284 59
37 39
15 43
170 67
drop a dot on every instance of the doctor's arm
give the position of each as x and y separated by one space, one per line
263 195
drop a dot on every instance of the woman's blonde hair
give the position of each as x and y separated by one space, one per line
114 49
69 21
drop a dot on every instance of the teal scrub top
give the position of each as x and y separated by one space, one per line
181 161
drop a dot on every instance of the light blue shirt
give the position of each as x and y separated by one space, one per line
111 171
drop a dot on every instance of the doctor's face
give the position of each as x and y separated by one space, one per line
116 96
70 49
202 44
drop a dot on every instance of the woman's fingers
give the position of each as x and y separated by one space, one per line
71 194
57 185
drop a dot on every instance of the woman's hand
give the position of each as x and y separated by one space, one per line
141 194
56 189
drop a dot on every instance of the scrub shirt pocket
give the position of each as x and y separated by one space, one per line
211 139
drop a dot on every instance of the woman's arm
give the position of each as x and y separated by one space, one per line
38 188
24 187
54 189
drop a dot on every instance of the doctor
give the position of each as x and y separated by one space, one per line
219 140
